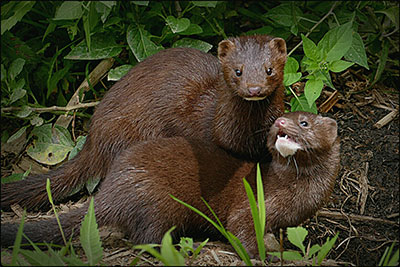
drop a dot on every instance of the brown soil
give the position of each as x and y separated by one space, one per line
364 207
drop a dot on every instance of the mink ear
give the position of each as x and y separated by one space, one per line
278 45
224 47
331 129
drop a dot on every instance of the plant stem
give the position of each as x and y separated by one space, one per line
54 108
315 26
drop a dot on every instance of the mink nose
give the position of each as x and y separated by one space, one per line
280 122
255 91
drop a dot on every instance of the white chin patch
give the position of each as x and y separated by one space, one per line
255 98
285 146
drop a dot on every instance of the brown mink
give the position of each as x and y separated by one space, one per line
135 194
227 100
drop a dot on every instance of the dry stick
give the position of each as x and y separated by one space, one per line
338 215
385 120
315 26
94 78
54 108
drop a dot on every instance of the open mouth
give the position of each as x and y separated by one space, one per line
255 98
285 145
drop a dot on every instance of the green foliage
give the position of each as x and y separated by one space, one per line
48 48
317 253
168 254
389 259
89 238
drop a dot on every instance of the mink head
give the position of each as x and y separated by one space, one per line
253 65
301 134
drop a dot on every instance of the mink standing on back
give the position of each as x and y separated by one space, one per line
135 194
176 92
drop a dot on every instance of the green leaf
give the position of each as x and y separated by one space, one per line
325 248
314 249
18 239
119 72
55 78
301 104
171 256
17 94
312 90
16 68
205 3
3 73
20 10
24 112
104 9
141 3
177 25
290 72
52 145
288 255
310 49
392 13
356 52
36 120
139 42
336 42
103 46
69 10
90 237
382 62
92 184
193 43
296 236
285 14
339 65
192 29
80 141
17 135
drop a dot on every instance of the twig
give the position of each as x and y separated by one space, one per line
316 25
385 120
94 78
338 215
54 108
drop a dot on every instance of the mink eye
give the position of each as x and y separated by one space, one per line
238 72
304 123
268 71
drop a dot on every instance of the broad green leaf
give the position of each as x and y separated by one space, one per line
392 13
177 25
62 136
36 120
102 47
48 153
92 184
104 8
205 3
17 135
80 141
119 72
325 248
193 43
141 3
16 68
139 42
312 90
20 9
24 112
55 78
17 94
382 62
285 14
296 236
90 237
192 29
69 10
356 52
171 256
12 178
339 65
300 104
336 42
290 72
310 49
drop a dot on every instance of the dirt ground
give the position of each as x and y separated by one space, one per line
364 207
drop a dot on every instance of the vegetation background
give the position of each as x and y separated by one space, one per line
60 57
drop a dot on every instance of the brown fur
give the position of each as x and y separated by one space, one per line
177 92
135 194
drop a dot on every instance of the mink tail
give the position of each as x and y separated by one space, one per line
45 230
31 192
